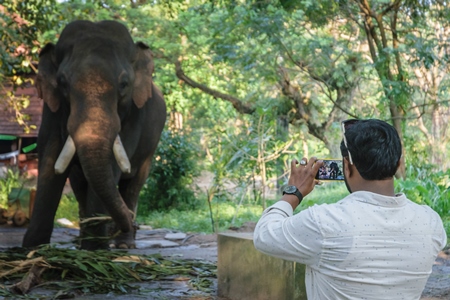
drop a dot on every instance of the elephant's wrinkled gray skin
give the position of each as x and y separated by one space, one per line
97 85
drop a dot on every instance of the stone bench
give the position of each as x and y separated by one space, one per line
245 273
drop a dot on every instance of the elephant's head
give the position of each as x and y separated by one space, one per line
92 78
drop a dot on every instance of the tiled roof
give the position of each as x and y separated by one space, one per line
9 126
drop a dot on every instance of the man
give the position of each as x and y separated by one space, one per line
373 244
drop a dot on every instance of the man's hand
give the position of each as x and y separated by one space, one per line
303 177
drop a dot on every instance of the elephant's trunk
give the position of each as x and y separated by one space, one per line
69 149
96 157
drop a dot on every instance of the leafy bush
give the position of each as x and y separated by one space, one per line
171 176
10 181
429 188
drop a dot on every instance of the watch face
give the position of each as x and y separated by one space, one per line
290 189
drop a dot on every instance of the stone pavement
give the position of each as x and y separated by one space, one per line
148 241
172 245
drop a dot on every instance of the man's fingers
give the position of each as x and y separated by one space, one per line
312 161
317 164
310 166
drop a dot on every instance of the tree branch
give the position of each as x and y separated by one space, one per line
237 103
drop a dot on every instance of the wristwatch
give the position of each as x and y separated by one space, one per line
293 190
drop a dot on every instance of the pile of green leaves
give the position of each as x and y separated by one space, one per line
98 272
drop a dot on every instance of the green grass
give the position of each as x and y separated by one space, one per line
200 220
227 214
68 208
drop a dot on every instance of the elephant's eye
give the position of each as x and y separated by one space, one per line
123 84
122 87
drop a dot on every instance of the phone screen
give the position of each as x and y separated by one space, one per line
331 170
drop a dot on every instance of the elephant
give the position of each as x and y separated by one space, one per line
101 122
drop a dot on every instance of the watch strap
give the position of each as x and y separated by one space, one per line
296 193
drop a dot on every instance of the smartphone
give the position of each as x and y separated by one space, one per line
331 170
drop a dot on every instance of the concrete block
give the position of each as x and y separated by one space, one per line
245 273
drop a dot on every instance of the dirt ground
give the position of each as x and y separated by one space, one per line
191 246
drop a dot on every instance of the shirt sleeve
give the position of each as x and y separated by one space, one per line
281 234
440 239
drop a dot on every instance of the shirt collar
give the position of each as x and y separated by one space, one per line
380 200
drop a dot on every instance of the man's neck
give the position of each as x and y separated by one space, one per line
382 187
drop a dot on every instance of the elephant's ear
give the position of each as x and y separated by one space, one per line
46 78
143 68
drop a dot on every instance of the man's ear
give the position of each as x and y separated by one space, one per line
348 167
401 161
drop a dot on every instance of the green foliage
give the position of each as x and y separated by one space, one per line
17 104
68 206
174 167
418 155
241 49
12 179
430 188
427 187
23 22
257 148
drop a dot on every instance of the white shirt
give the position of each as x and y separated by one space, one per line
366 246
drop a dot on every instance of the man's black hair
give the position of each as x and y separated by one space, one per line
375 148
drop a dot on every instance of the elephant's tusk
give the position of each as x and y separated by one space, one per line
121 156
65 156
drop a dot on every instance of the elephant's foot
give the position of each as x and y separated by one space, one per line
123 241
94 244
122 246
93 237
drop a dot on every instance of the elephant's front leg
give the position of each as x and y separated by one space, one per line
94 222
92 236
94 232
48 195
130 189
